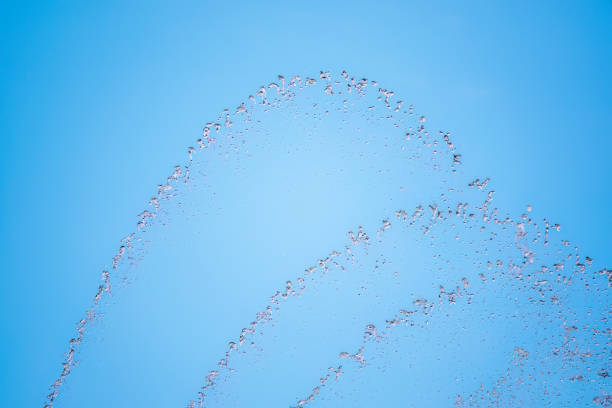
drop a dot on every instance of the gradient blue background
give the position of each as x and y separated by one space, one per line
98 101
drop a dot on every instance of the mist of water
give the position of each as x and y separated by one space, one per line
430 292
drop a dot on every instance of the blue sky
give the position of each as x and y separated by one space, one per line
99 101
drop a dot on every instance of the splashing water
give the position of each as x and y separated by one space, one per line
436 293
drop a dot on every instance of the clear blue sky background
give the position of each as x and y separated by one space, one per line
98 101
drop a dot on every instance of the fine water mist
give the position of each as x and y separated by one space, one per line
321 245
